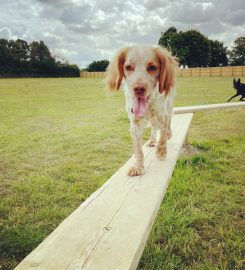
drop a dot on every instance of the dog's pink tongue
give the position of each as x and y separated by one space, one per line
140 106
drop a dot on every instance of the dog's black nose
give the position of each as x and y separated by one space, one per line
139 89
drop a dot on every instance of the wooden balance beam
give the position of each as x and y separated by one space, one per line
208 107
110 229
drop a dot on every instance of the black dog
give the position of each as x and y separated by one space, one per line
240 87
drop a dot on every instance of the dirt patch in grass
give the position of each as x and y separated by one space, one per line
189 150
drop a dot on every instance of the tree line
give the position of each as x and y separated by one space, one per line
20 59
194 49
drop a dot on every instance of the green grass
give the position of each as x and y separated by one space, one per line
60 139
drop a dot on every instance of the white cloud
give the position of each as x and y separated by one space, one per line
85 30
5 33
192 12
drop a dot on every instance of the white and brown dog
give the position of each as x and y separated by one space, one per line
149 75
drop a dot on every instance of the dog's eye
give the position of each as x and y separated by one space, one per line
129 68
151 68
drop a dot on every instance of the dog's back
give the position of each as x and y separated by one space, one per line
240 87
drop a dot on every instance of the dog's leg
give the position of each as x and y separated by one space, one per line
161 149
232 97
169 130
242 98
153 140
136 134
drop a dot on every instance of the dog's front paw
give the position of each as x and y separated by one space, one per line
136 171
161 152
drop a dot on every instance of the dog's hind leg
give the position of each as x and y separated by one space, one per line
169 130
161 149
242 98
236 95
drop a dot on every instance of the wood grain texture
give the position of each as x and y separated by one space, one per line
109 230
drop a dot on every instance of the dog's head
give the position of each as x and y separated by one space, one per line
236 84
144 69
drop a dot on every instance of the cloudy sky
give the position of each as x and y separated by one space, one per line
81 31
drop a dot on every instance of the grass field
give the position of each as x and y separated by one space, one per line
60 139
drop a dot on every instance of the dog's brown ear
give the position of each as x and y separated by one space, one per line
168 69
115 73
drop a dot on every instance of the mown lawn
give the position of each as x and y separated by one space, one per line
60 139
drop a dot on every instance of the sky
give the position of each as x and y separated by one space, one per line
81 31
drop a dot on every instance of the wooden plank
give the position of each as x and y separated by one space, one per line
226 71
238 71
216 71
186 72
208 107
109 230
196 72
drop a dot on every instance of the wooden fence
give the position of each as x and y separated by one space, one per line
236 71
85 74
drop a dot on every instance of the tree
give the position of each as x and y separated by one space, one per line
193 48
166 39
174 41
19 50
237 53
5 55
67 70
39 52
197 48
17 58
98 65
217 53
